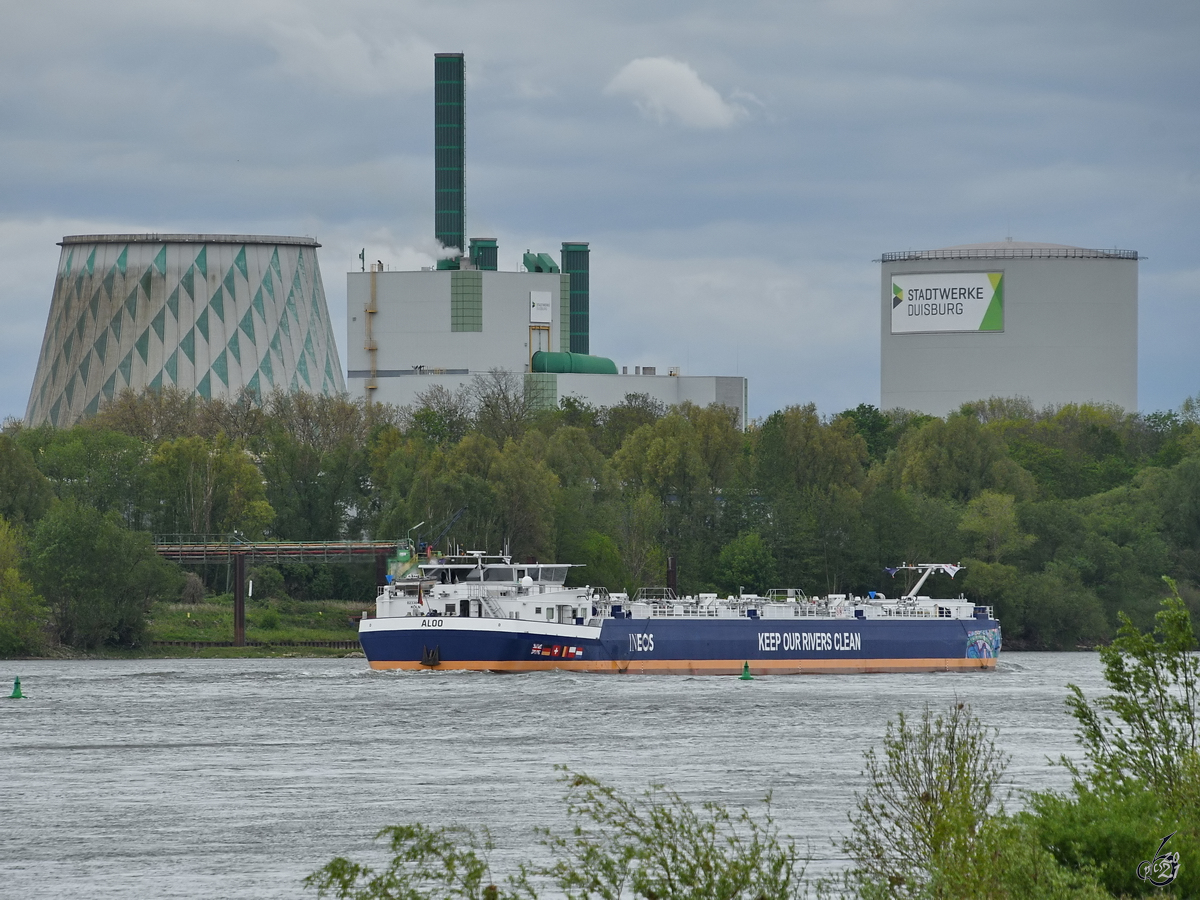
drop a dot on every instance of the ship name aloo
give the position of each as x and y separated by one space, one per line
772 641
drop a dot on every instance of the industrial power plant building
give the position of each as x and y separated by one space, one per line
410 331
210 314
1051 323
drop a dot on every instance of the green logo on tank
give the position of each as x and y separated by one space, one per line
993 319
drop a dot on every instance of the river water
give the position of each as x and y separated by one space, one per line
235 778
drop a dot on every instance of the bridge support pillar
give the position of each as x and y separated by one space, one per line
239 600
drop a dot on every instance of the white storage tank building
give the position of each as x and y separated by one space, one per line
1051 323
209 314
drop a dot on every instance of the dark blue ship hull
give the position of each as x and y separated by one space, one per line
675 646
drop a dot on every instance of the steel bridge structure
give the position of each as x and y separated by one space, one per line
225 549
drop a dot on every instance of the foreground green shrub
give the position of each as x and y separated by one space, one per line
929 793
1108 834
655 846
1141 778
658 846
1147 729
931 823
1005 861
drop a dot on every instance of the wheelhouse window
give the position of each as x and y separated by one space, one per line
554 574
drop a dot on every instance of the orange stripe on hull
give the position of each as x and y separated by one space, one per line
702 666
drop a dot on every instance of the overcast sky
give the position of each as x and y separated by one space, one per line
735 166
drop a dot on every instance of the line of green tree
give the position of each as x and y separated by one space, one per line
1062 517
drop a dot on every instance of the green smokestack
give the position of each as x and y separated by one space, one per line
449 150
575 262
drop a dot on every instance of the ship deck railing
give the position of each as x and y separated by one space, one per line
799 611
723 611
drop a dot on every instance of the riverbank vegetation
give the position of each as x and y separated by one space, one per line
1063 517
930 824
272 621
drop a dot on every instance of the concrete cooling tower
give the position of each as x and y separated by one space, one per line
209 314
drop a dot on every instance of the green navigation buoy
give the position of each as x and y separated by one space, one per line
16 694
746 676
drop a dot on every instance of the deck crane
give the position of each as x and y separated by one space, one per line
454 518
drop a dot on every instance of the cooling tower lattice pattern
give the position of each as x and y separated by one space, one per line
210 314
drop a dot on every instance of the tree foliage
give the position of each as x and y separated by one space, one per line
314 460
930 790
23 614
991 520
448 863
502 409
746 563
655 846
1140 780
958 458
104 470
98 578
1147 731
25 494
208 487
797 451
1064 517
658 846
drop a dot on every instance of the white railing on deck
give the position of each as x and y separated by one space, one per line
803 611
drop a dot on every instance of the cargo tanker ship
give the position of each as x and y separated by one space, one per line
480 613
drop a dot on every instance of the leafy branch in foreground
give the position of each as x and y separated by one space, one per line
928 795
427 863
660 846
656 846
1141 780
931 825
1148 729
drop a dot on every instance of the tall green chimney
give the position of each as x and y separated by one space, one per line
448 150
575 256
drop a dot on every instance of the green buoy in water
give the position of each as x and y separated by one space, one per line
16 694
746 676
